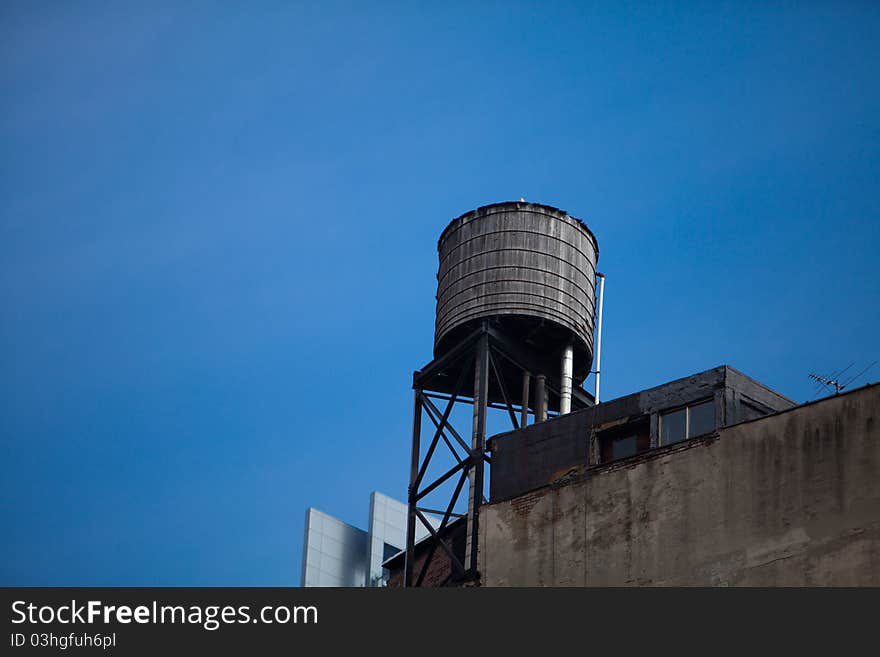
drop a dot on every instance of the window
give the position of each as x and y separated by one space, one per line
620 442
623 447
701 419
688 422
389 551
673 427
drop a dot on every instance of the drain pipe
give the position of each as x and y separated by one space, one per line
567 373
524 421
541 398
601 278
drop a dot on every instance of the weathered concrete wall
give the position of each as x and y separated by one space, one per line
790 499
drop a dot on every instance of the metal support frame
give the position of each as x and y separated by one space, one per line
478 449
479 354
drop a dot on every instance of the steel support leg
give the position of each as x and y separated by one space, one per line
412 500
478 449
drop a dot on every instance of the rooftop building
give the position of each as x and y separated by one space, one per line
336 553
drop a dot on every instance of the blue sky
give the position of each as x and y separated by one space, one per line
219 224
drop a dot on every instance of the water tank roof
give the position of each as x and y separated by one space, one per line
518 205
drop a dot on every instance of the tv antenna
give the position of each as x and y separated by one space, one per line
835 379
828 382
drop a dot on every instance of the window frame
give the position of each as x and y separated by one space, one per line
687 420
638 428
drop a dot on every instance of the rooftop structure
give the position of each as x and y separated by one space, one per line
789 497
515 302
531 269
709 479
670 413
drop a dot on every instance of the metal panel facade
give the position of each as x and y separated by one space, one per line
334 554
338 554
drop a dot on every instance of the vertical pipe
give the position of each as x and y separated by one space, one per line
567 373
411 497
601 278
524 420
541 398
478 450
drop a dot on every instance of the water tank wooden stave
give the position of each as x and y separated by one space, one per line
529 267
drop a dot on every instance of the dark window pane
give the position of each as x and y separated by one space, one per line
702 419
607 445
389 551
622 441
672 427
624 447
